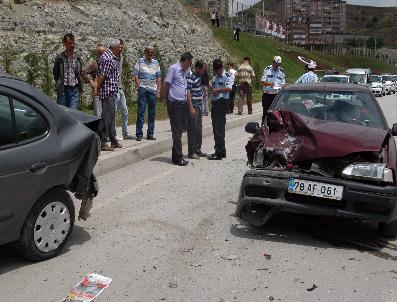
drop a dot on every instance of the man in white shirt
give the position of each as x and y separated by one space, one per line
232 74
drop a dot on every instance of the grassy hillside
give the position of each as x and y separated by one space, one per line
262 50
367 20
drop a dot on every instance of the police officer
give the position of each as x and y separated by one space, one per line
222 85
273 80
309 76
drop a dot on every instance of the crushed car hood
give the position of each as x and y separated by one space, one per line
298 138
90 121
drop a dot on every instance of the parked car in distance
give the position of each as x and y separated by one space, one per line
46 150
325 149
335 78
389 83
360 76
378 87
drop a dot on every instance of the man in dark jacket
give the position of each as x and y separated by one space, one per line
67 72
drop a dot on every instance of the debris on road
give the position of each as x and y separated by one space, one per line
271 298
88 289
267 256
172 284
230 257
312 288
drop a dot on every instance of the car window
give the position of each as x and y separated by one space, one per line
29 123
347 107
6 127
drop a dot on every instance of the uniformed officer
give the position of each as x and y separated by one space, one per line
273 80
309 76
222 85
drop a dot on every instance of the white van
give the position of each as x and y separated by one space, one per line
360 76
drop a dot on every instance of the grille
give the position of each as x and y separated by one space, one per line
315 200
261 192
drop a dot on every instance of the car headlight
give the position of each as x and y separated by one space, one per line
377 172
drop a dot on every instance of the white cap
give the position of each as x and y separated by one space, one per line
312 65
277 59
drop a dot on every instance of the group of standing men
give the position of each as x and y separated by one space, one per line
185 92
104 76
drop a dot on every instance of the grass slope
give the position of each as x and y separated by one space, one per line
262 50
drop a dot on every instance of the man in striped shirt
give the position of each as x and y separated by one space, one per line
195 104
108 87
244 76
309 76
147 77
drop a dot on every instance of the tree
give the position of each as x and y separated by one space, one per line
32 71
372 41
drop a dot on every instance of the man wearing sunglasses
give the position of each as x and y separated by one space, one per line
147 77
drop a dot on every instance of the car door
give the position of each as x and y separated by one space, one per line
27 151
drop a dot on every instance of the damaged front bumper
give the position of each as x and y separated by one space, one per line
264 192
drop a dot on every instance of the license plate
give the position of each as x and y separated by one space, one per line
317 189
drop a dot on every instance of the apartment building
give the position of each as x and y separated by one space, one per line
316 16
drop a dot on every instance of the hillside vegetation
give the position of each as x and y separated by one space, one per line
368 20
262 50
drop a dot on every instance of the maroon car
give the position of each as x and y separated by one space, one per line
325 149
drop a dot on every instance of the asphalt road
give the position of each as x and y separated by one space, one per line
167 233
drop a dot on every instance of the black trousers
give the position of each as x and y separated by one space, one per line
218 116
195 132
232 96
267 100
107 126
236 36
177 112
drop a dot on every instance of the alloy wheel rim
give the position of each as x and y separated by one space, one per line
51 227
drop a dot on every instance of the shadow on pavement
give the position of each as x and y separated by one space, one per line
321 232
10 260
162 159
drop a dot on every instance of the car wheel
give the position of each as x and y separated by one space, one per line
47 227
388 230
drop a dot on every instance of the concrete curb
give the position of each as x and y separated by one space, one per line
111 162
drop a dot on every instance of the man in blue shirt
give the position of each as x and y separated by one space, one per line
309 76
273 80
195 104
175 88
222 85
147 77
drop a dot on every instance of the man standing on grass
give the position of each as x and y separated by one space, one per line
108 86
147 78
175 87
273 80
244 76
221 87
195 104
67 72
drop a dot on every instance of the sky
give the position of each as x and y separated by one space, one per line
360 2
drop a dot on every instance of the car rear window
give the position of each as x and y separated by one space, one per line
6 127
29 123
346 107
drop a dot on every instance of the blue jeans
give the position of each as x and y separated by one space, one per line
121 106
70 97
144 97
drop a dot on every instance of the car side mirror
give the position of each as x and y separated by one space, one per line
253 127
394 130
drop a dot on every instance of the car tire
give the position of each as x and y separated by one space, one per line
47 227
388 230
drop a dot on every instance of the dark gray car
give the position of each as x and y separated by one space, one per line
46 150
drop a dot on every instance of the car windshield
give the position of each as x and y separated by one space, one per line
375 78
358 78
386 78
348 107
330 79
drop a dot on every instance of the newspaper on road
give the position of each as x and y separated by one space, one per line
88 289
